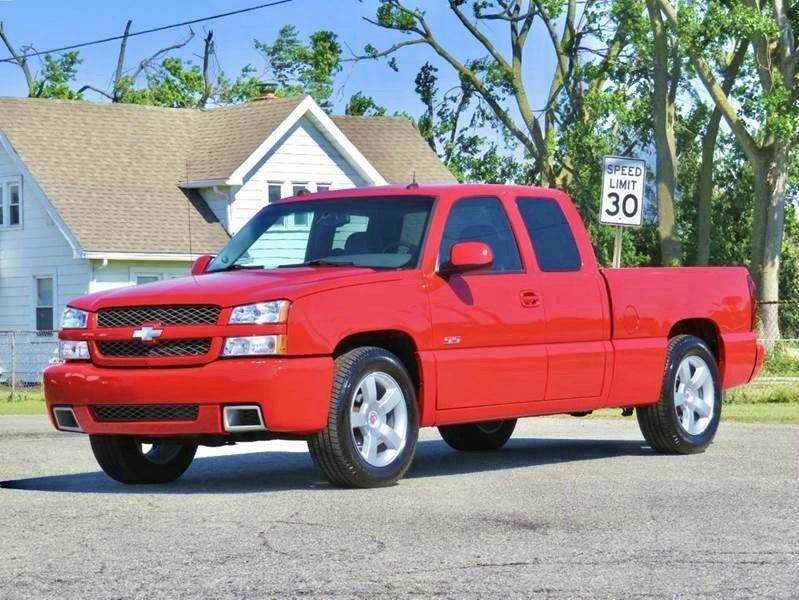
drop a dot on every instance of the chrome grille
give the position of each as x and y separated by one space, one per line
145 412
163 349
165 315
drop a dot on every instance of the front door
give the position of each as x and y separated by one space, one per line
487 325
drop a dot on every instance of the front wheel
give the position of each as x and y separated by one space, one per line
373 422
488 435
128 460
685 419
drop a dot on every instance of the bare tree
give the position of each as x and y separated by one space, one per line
121 80
21 61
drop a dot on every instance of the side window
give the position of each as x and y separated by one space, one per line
482 220
552 238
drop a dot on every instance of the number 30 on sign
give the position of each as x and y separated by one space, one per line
623 184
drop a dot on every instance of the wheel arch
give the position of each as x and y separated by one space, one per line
396 341
707 331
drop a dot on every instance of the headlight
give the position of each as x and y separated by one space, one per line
255 345
74 318
258 314
73 350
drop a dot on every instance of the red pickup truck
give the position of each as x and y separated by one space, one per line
353 318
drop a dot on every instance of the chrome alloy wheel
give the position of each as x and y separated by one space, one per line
379 419
694 395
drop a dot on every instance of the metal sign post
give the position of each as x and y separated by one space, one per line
623 185
617 247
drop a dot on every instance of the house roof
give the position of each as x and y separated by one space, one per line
113 172
395 148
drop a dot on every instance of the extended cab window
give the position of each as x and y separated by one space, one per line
378 232
550 234
482 220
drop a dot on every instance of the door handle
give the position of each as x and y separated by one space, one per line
530 299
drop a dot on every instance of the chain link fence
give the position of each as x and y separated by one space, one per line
778 330
23 357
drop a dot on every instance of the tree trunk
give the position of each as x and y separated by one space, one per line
705 191
666 159
770 175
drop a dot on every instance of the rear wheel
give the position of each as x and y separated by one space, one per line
488 435
373 423
685 419
128 460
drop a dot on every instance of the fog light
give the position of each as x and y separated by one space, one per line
255 345
73 350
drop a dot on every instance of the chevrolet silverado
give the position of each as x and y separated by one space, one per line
352 318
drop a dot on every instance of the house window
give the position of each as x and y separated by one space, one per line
45 296
275 193
323 187
300 219
10 202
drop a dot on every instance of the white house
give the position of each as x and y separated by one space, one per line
97 196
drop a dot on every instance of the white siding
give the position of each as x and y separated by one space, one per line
303 156
218 201
121 273
37 248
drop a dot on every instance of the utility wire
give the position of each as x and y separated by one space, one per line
136 33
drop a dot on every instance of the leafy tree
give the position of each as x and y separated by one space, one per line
765 120
361 105
300 68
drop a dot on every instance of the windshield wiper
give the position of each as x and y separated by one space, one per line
319 262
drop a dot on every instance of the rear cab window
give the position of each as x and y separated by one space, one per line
550 234
482 220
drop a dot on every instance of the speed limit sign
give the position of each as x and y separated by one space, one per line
623 183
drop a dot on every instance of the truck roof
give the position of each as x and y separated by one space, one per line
429 189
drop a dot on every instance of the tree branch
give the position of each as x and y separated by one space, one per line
21 62
480 36
98 90
748 143
208 85
120 64
150 60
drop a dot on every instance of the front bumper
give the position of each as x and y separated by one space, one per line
293 393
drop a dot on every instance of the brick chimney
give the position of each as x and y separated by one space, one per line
268 91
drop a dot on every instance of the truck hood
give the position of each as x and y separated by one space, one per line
233 288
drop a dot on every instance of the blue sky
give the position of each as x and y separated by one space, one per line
49 23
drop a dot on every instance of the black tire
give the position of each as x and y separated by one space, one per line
660 423
472 437
122 459
335 450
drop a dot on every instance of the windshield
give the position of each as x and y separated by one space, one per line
379 232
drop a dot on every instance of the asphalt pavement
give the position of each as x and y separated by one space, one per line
569 508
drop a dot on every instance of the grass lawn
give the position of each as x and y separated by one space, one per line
785 413
775 403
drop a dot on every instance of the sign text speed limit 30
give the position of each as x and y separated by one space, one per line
623 183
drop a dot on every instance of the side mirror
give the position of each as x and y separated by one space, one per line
200 264
467 256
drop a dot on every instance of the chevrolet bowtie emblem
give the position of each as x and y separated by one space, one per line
147 334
